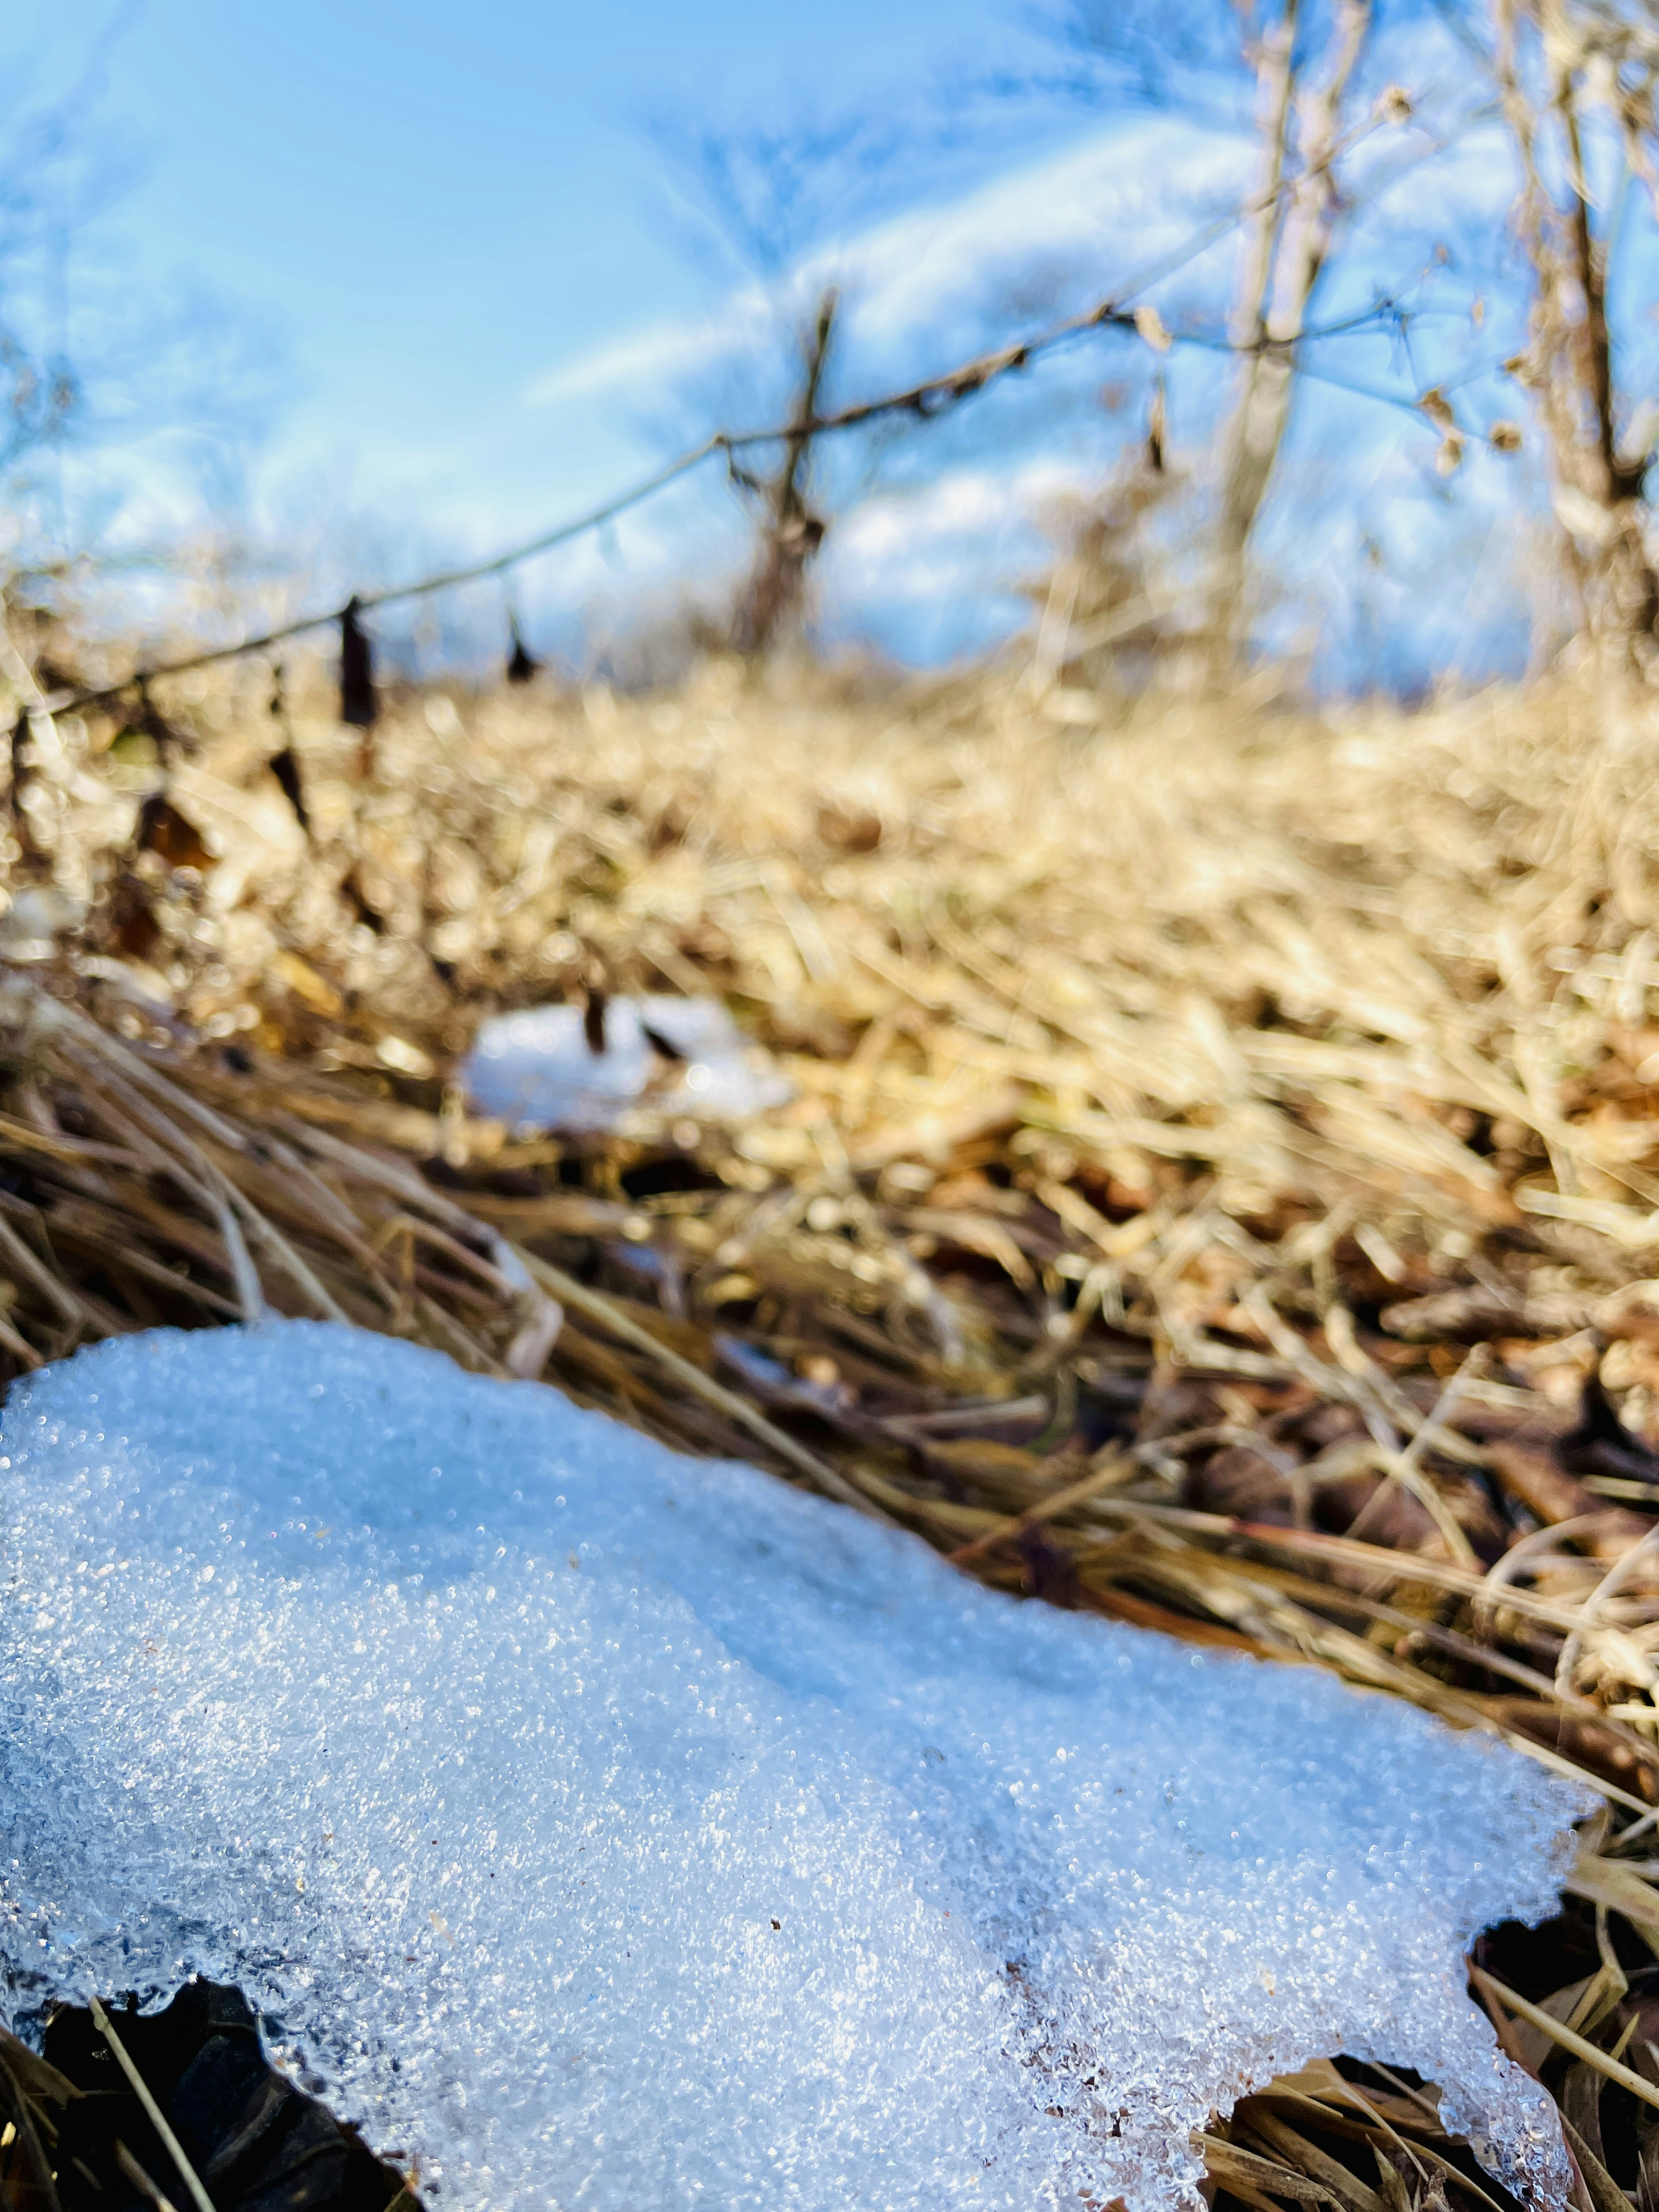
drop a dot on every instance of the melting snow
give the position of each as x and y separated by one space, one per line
537 1070
605 1828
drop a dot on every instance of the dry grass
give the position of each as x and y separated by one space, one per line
1221 1189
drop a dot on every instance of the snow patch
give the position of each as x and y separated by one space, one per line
603 1827
537 1070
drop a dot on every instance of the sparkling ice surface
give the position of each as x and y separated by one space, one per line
535 1070
608 1829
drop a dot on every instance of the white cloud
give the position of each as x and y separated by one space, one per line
937 574
883 545
1095 215
1100 214
645 360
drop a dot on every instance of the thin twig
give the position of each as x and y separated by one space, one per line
140 2180
153 2112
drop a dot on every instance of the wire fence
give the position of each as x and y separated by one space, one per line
924 400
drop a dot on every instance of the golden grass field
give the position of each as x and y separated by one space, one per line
1221 1188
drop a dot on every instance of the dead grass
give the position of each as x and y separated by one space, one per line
1221 1191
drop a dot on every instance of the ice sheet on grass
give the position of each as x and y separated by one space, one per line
610 1829
535 1070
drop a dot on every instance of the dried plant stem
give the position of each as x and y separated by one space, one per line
1558 2032
818 1471
153 2112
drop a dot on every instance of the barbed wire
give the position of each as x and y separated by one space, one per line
925 399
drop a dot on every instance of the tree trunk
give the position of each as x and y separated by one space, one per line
1275 79
1569 362
1287 249
791 533
1627 603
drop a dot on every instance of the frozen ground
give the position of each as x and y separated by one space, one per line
537 1070
610 1829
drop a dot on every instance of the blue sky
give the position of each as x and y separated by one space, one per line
438 205
434 210
461 300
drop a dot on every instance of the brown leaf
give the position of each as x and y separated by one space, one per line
163 831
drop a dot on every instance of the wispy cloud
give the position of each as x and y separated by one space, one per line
645 359
1083 224
1084 221
894 546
